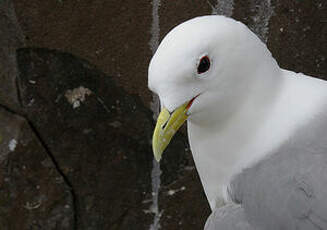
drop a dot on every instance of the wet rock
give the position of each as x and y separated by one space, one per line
298 35
183 203
10 39
98 31
99 135
33 195
187 9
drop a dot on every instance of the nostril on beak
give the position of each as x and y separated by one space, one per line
165 124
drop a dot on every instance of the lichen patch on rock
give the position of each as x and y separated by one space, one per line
12 145
77 95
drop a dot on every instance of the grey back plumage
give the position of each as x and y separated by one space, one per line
285 191
228 217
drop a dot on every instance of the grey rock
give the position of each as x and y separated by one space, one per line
11 38
99 135
32 195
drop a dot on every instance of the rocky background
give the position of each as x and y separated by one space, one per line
76 117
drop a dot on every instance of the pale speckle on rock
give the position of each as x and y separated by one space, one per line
115 124
12 145
77 95
87 131
171 192
34 204
31 206
47 163
31 102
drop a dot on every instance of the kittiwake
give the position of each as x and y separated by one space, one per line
258 133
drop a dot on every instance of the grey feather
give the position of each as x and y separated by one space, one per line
286 191
229 217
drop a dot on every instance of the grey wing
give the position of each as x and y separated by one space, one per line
288 189
228 217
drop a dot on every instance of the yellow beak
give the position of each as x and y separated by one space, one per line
166 127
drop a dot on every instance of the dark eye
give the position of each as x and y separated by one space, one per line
204 65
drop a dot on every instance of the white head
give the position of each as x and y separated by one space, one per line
216 73
233 51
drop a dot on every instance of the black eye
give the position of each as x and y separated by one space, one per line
204 65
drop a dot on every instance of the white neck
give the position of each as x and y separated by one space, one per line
222 149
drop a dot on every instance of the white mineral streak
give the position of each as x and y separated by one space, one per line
224 7
260 24
172 192
12 145
155 106
154 43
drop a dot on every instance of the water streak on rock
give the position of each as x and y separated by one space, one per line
224 7
260 24
155 106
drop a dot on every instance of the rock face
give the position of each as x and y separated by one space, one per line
99 136
98 31
33 195
298 35
184 203
11 38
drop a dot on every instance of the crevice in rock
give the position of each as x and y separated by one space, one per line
12 111
57 166
54 161
19 98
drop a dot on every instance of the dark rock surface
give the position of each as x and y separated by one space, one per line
99 135
112 35
11 38
33 195
184 203
298 36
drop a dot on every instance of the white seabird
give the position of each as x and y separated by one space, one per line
258 133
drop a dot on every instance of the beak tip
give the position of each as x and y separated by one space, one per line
167 125
157 155
158 159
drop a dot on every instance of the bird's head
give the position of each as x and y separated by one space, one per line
199 65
